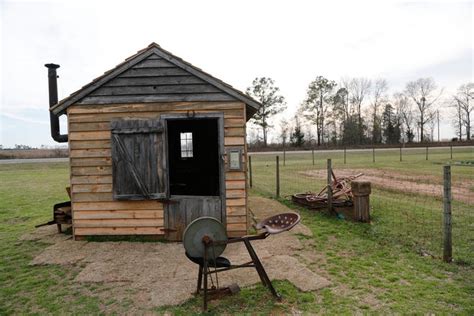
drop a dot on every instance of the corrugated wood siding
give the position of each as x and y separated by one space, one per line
155 80
94 210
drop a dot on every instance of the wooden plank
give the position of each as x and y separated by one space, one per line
91 171
88 127
237 233
154 72
92 197
237 193
155 98
234 131
118 231
150 81
127 222
150 107
154 89
235 202
236 210
90 153
234 141
89 144
117 205
233 122
95 135
153 63
91 162
235 184
235 175
91 188
119 214
240 219
91 179
236 227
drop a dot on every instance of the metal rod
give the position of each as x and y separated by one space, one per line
451 147
401 159
261 271
447 236
373 154
329 167
284 157
312 152
344 155
250 171
426 152
277 176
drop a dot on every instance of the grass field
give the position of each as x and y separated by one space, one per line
369 274
407 196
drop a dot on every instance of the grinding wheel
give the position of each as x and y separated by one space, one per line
197 229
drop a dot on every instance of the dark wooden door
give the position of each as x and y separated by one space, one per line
196 183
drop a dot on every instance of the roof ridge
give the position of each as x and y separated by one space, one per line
139 56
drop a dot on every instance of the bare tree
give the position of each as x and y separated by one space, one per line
464 104
379 95
458 117
424 93
359 90
284 130
404 110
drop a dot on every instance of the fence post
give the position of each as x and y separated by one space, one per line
312 152
329 167
401 153
447 240
451 147
277 176
250 171
344 155
426 152
373 154
284 157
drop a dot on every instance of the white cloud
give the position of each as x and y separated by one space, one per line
291 41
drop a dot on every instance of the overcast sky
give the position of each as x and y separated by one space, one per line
290 41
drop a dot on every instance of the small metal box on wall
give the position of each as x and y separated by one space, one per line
141 164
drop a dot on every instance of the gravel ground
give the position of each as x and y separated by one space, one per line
159 274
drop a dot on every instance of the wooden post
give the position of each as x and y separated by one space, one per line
329 167
373 154
312 152
401 153
451 147
426 152
447 240
250 171
344 155
277 176
361 191
284 157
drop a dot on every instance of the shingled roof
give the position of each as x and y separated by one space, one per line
140 79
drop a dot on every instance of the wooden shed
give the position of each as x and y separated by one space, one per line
153 144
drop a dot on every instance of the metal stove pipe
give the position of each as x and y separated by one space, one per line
53 100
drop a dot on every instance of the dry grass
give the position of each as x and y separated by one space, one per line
33 153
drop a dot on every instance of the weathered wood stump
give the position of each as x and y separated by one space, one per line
361 191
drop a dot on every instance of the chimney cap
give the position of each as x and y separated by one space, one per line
51 66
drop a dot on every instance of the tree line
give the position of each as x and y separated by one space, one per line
358 111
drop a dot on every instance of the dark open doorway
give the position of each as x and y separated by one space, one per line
193 152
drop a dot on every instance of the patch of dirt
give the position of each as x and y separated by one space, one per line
421 184
159 274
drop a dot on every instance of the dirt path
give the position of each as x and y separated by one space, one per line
158 274
421 184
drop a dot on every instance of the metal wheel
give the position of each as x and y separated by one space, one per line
197 229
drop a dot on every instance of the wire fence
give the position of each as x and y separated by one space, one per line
407 200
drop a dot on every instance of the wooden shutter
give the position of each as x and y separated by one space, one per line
138 160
